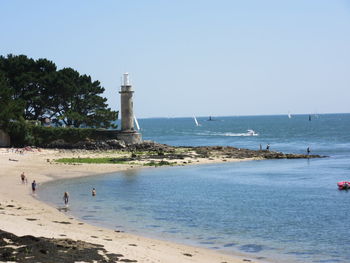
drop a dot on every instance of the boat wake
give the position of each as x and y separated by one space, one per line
230 134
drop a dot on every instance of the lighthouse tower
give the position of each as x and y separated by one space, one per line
126 103
128 133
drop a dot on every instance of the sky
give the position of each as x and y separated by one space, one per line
195 57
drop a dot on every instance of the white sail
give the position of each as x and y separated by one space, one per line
137 123
195 121
289 115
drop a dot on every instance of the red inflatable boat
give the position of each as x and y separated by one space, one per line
345 185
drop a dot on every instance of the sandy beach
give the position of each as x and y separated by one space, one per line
23 214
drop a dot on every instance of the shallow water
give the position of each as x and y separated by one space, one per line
286 210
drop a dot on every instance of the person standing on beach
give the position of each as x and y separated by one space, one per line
93 192
33 186
308 150
23 177
65 198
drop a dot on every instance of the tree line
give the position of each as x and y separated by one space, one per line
35 90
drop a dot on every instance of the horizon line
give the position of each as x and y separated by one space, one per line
249 115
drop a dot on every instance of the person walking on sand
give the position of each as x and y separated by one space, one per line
65 198
23 177
33 186
93 192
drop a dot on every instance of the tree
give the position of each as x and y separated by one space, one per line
11 109
63 96
30 81
78 101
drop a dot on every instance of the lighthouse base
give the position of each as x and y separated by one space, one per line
130 137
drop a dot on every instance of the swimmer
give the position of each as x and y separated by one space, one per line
65 198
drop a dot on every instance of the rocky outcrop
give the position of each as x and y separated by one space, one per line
30 249
155 150
88 145
240 153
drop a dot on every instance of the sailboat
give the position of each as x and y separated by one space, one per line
195 121
289 115
137 123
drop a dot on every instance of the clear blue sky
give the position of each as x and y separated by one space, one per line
195 57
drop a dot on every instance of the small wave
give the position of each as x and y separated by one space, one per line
239 134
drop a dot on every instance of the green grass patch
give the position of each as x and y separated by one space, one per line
93 160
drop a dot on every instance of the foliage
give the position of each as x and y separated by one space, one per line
29 133
10 109
80 103
34 90
19 132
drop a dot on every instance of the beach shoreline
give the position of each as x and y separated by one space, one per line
23 214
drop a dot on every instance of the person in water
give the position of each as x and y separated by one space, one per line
33 186
93 192
66 198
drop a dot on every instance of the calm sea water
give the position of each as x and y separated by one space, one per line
281 210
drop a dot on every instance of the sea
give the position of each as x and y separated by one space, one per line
271 210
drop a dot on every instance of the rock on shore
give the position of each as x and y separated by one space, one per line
30 249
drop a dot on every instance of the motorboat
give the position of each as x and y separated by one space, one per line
252 133
345 185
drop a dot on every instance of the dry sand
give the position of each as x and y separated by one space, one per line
22 214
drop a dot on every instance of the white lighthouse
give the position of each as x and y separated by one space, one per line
128 133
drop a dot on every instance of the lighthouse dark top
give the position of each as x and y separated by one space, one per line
126 107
